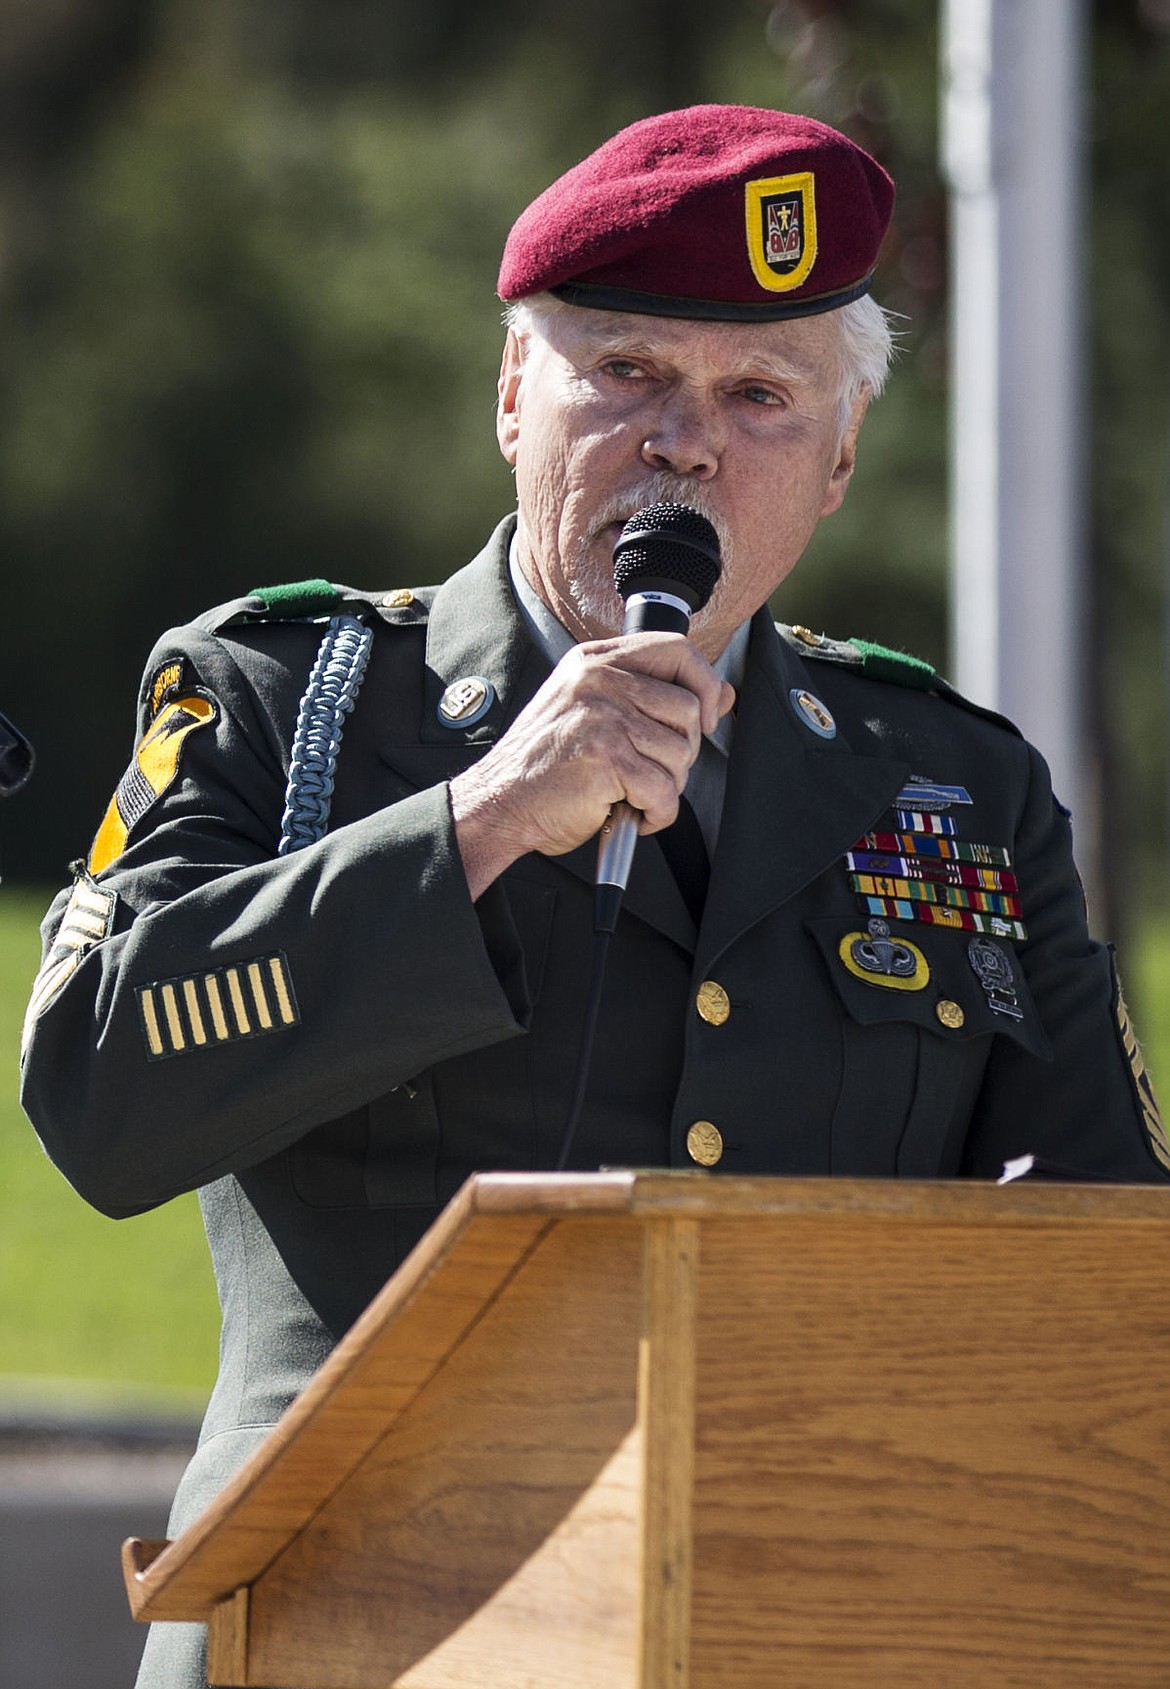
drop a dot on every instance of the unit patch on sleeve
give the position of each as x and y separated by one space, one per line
88 917
200 1011
154 767
1142 1083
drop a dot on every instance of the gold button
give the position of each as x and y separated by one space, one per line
398 600
713 1003
704 1143
949 1013
807 636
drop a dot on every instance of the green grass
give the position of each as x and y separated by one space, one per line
1145 973
131 1302
122 1302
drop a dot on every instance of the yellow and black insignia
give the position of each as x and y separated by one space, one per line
155 765
781 230
88 917
200 1011
1142 1083
163 683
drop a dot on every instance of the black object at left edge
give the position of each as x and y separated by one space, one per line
17 758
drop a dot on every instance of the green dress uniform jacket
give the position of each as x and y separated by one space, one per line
327 1043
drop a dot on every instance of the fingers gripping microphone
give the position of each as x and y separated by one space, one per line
665 566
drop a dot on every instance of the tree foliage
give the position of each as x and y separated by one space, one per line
251 331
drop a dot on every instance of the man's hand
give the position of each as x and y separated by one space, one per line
617 718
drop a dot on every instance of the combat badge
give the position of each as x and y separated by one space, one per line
154 767
928 795
88 917
877 959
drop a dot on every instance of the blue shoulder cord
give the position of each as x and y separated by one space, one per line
329 697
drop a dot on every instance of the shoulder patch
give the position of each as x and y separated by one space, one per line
152 769
314 597
87 920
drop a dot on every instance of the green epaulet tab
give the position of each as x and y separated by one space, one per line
297 598
879 662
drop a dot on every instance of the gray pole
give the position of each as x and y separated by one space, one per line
1012 73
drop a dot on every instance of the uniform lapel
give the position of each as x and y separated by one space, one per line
473 628
795 802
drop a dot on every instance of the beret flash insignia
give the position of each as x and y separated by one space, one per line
781 230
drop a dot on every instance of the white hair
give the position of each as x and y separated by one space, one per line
865 342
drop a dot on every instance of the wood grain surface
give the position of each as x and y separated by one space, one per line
654 1431
932 1456
493 1537
666 1413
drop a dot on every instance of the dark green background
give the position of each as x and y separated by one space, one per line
249 328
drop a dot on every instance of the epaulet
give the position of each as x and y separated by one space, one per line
317 601
880 662
875 662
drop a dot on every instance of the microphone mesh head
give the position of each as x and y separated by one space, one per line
668 548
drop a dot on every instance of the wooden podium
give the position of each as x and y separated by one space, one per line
645 1430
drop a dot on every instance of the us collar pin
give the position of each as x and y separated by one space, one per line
466 701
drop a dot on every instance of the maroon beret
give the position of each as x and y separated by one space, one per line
729 213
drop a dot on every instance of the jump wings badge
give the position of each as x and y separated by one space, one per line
781 230
878 959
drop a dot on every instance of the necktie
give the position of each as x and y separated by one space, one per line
686 855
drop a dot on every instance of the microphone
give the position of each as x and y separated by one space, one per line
665 566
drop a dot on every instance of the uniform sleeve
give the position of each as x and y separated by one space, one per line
202 1002
1091 1110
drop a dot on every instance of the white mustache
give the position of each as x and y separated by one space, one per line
664 488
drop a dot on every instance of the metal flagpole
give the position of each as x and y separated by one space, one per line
1013 141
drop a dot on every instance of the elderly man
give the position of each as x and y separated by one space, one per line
329 952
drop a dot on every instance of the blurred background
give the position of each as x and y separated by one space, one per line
249 334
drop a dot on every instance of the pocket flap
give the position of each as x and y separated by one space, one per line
956 985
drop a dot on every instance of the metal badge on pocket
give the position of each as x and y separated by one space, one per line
877 959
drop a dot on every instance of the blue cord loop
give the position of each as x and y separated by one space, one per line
329 697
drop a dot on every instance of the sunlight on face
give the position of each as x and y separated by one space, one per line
602 413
